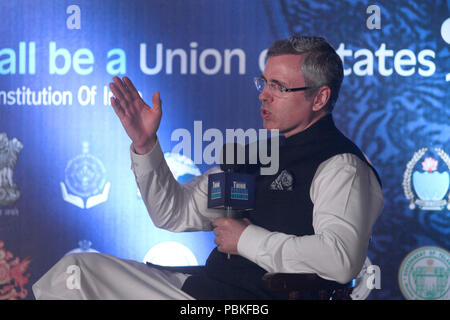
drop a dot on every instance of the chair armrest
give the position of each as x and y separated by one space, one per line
296 286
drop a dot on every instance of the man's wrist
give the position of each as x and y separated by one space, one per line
142 164
145 148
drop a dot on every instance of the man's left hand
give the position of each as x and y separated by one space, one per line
228 231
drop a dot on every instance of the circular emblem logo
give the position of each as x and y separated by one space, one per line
424 274
85 175
427 184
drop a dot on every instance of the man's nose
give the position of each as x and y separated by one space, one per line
265 95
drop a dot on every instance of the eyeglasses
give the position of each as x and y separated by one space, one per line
274 87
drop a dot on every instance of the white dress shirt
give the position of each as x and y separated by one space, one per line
347 200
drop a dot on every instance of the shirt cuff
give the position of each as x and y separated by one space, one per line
142 164
250 241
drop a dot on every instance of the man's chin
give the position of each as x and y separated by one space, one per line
270 126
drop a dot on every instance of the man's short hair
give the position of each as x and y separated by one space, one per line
321 65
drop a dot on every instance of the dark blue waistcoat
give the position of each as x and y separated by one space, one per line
288 210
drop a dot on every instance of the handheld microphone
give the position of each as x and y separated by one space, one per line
231 189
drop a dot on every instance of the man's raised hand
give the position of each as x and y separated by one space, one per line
139 120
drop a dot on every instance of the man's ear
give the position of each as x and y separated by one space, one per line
321 98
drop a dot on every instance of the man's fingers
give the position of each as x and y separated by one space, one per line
122 88
134 93
218 221
116 106
156 101
117 93
219 245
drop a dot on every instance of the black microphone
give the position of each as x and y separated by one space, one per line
232 189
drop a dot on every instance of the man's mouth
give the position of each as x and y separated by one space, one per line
265 114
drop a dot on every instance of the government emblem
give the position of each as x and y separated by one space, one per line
424 274
85 183
9 150
426 185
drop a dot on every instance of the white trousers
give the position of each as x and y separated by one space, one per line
94 276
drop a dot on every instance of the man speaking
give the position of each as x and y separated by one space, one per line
315 215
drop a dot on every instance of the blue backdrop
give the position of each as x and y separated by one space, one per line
64 156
